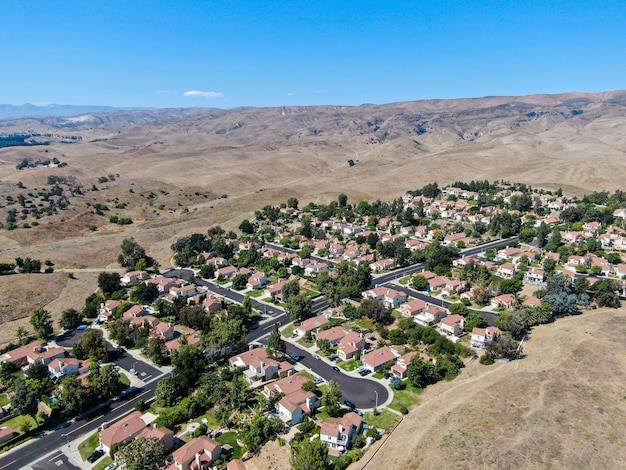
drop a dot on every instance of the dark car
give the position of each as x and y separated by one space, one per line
95 455
364 372
335 368
349 404
388 375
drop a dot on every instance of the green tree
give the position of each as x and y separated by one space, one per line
142 454
421 373
144 293
155 351
167 392
475 320
240 281
23 401
109 283
332 398
188 364
246 227
309 455
342 200
106 382
290 289
21 334
73 397
92 305
120 332
299 307
420 283
458 308
92 344
132 253
275 345
377 311
70 318
42 323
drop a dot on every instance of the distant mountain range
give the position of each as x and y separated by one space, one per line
26 110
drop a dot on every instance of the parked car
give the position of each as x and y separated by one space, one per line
364 372
295 357
95 455
349 404
388 375
111 466
335 368
318 380
315 356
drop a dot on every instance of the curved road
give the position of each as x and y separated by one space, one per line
360 391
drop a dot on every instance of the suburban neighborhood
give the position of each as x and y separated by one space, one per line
314 326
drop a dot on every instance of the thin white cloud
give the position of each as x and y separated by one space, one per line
203 94
289 94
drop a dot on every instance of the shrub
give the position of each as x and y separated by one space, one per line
403 409
487 359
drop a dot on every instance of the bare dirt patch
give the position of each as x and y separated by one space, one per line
562 406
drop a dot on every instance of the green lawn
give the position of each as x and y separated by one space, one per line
407 397
125 380
405 280
385 420
255 293
230 438
306 374
90 444
350 365
312 293
4 399
288 331
306 343
336 321
103 463
17 422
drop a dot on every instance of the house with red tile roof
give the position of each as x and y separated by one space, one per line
296 404
312 325
136 311
452 325
378 358
133 278
128 429
333 335
68 366
337 433
198 454
108 309
350 344
31 353
236 464
174 344
431 315
482 336
259 365
503 301
412 308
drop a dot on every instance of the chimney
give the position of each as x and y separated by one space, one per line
198 460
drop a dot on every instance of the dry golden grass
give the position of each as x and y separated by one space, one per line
22 293
559 407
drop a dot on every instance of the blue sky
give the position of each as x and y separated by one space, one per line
228 53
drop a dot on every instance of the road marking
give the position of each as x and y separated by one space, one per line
9 464
55 456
